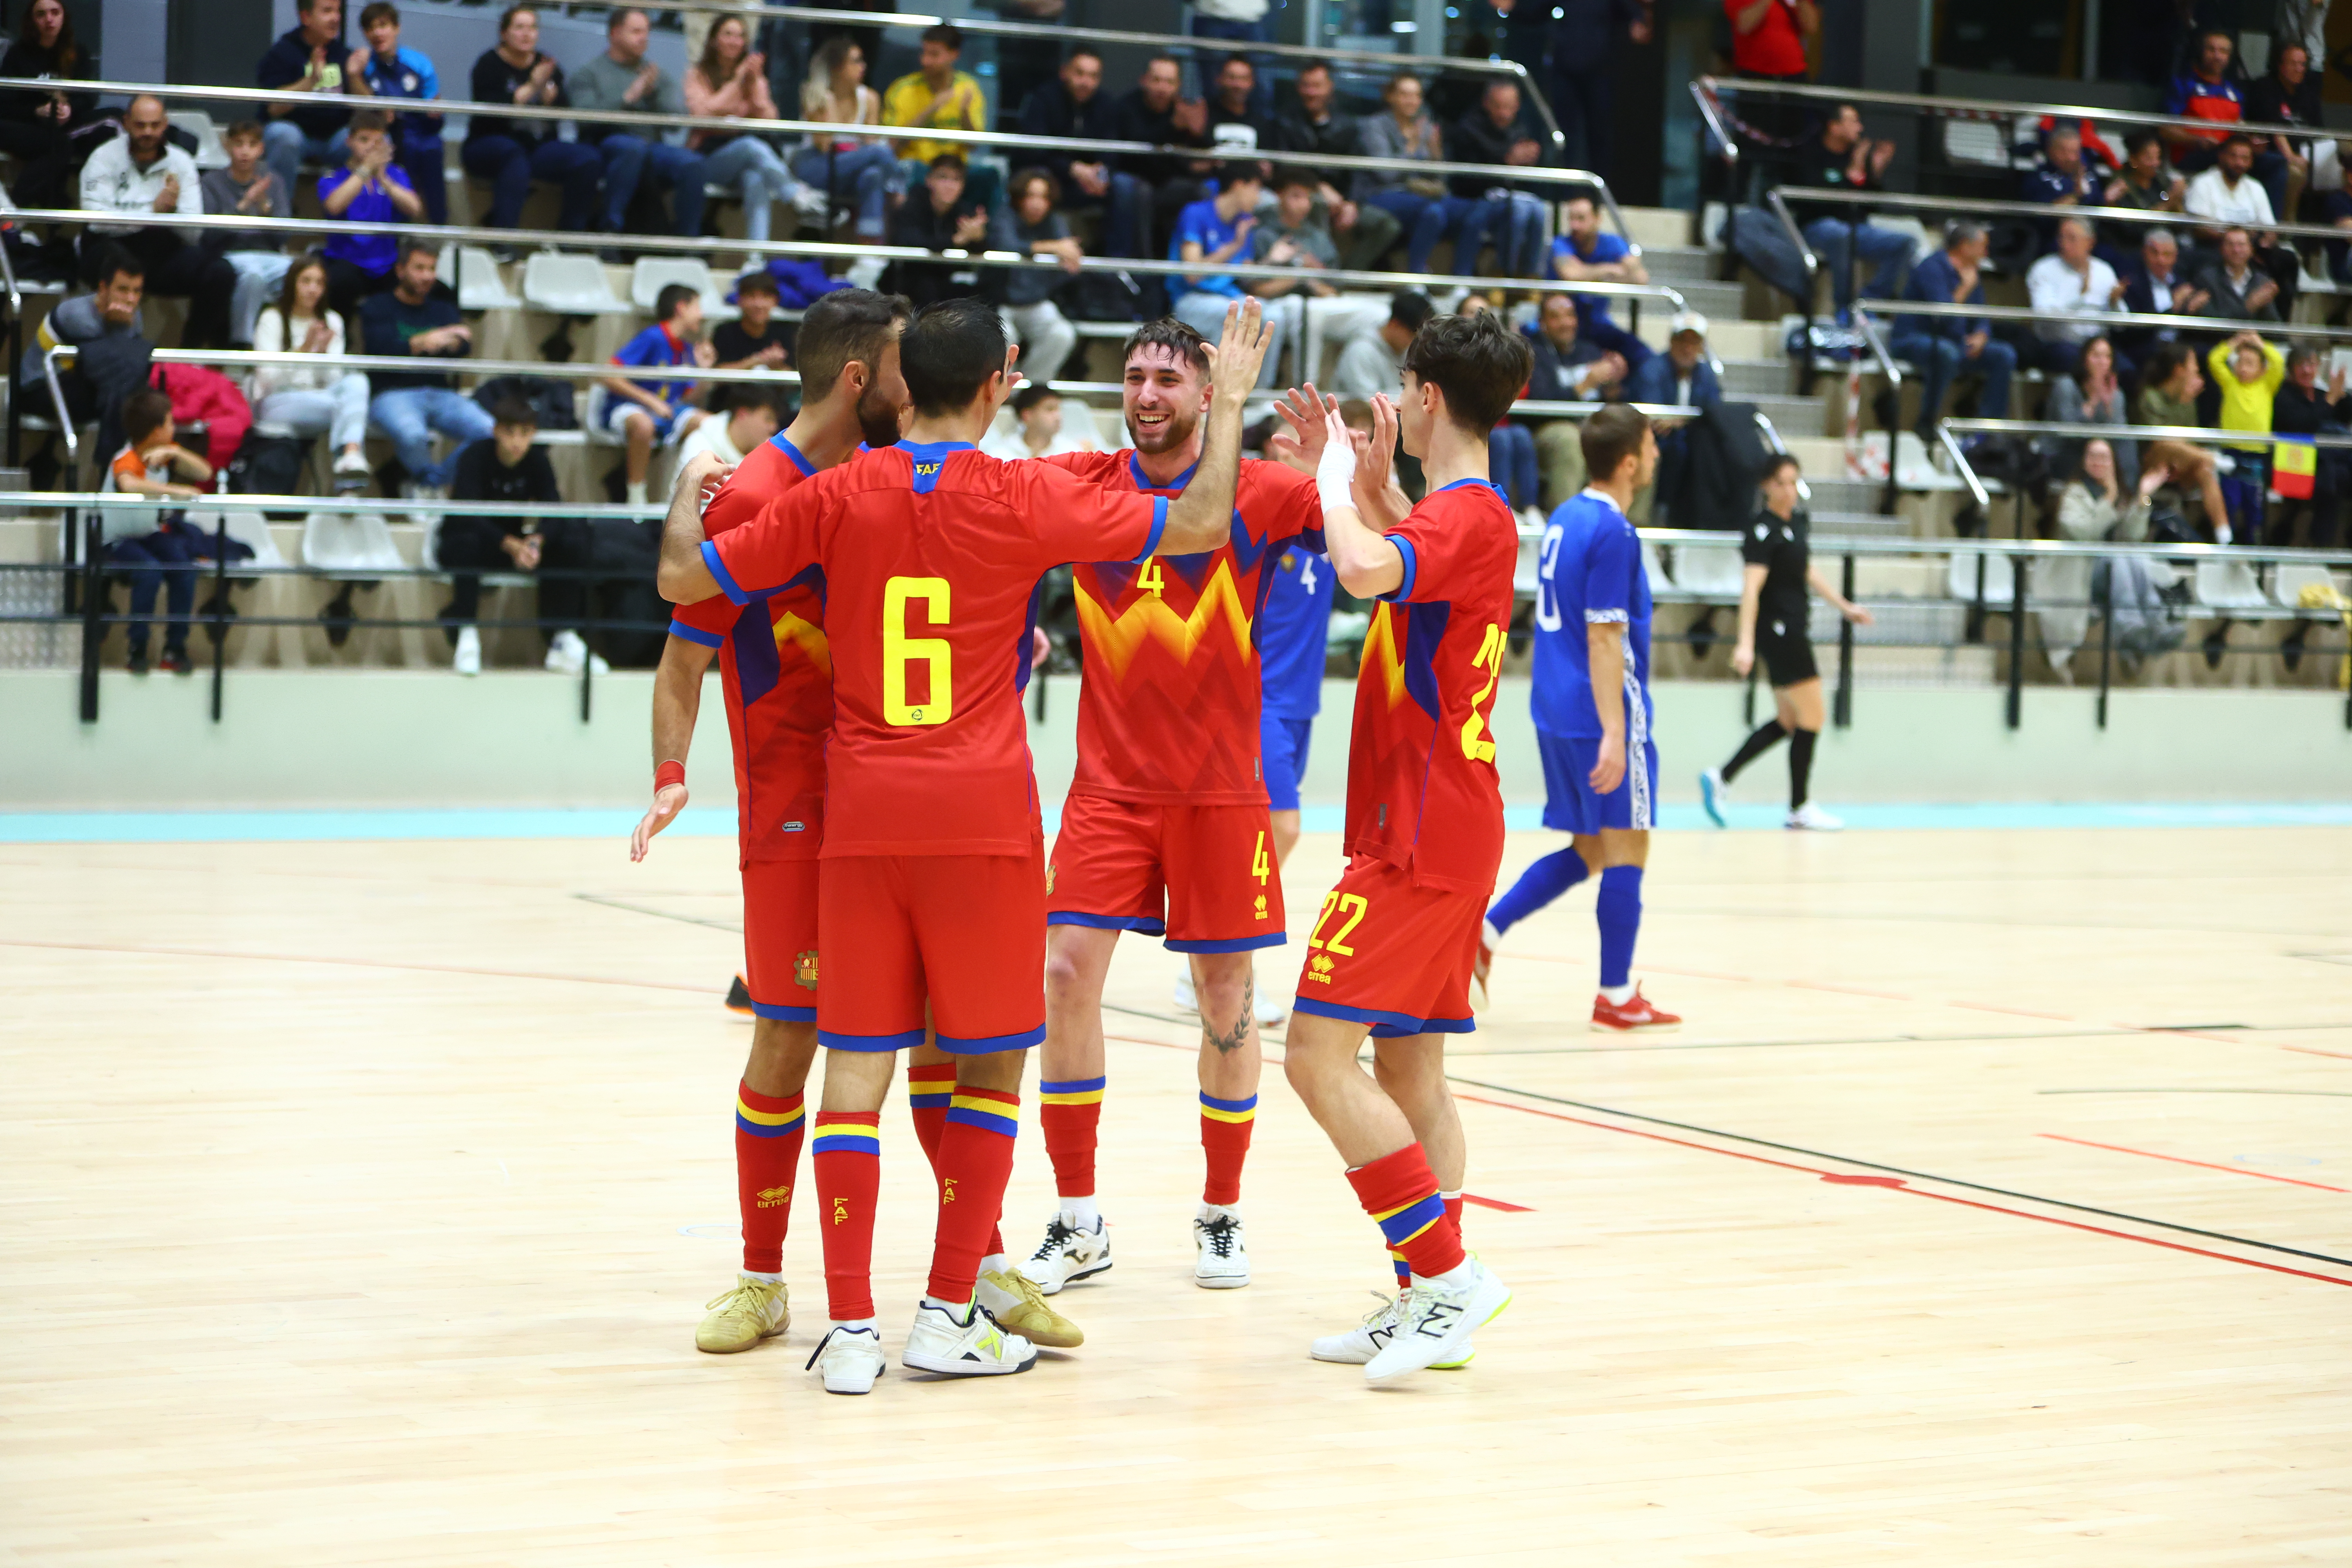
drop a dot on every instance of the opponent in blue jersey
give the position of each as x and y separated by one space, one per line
1292 629
1592 713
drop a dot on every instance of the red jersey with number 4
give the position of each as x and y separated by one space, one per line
1423 792
928 558
1169 707
776 672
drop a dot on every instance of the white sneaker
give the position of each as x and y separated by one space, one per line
1369 1337
1435 1322
1813 817
567 651
1187 999
1068 1254
977 1348
1224 1262
849 1360
466 659
1531 517
423 516
1714 794
809 202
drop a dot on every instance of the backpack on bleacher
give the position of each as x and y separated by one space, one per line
269 466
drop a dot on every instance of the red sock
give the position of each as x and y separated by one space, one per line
1071 1111
1398 1191
846 1156
975 1163
1224 1139
768 1132
929 1090
1452 1212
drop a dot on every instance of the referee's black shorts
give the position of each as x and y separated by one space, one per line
1786 651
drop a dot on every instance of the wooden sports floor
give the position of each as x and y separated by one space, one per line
1994 1207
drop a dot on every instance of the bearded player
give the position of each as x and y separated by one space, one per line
1166 830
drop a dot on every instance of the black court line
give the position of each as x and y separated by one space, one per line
2314 1093
734 926
1899 1171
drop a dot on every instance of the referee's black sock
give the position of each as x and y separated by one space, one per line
1801 765
1768 735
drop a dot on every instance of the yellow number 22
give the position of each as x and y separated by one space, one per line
899 650
1490 657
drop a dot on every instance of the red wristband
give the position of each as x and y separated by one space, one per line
668 774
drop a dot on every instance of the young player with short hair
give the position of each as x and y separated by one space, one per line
159 550
1165 832
644 413
932 893
1592 715
1391 952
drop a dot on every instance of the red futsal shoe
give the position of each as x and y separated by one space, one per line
1634 1013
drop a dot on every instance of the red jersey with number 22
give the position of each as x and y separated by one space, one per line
1423 792
929 558
776 672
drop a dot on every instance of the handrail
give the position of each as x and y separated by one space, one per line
1780 447
8 276
1796 233
58 401
2222 325
1711 112
1969 206
675 245
1887 365
1960 464
2194 433
1879 544
1984 108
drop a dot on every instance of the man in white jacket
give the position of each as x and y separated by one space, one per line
137 174
2068 282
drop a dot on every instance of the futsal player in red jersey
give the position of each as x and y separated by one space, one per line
1166 830
1392 950
932 883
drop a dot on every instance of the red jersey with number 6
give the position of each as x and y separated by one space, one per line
1169 711
929 559
776 672
1423 792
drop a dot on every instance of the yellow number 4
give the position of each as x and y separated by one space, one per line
1474 745
1260 867
899 651
1333 902
1153 578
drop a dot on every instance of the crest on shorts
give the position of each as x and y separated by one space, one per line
1261 906
1319 968
804 972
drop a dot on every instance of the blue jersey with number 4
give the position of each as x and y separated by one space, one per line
1291 630
1591 573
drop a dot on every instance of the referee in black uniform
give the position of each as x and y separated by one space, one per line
1773 613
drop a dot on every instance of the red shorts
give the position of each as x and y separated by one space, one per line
1393 955
1202 876
964 933
779 939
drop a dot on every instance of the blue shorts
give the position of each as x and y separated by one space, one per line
1571 804
1282 756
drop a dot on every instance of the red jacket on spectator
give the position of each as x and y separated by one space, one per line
198 393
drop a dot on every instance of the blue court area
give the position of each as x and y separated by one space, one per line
346 827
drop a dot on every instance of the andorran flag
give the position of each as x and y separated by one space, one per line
2294 466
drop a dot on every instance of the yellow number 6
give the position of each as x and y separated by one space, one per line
899 650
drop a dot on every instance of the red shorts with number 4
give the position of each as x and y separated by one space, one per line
964 933
779 939
1202 876
1392 954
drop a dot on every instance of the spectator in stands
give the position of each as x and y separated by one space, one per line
2203 92
936 97
1511 218
1373 363
755 340
622 82
505 466
642 412
1585 36
37 124
1040 432
1568 368
310 58
1362 232
1074 106
1156 113
945 218
1841 158
2092 394
847 166
745 416
732 79
2301 409
138 174
414 321
371 189
2236 288
103 326
2288 96
2248 371
1419 203
2069 281
393 71
1943 348
2226 193
1217 229
1768 37
259 256
1242 21
2168 389
1682 377
511 153
1237 125
2062 179
2145 183
158 550
1027 225
2157 286
2100 501
1295 235
1586 253
311 402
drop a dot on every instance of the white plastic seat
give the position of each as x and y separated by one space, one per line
1708 569
2000 580
1977 142
211 152
2288 582
1653 567
2228 585
569 285
482 289
251 530
652 274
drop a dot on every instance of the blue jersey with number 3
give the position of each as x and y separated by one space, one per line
1291 630
1591 573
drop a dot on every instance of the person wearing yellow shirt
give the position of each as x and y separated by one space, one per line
2248 371
938 97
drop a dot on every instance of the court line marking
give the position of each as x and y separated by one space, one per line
155 952
2178 1160
732 927
1495 1204
2313 1093
1649 1046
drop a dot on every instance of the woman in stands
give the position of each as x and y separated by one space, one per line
2168 389
2092 395
1774 612
731 78
511 153
36 125
837 93
1419 203
2099 503
310 401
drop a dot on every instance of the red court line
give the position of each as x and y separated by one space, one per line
2203 1164
1495 1204
354 963
2315 1051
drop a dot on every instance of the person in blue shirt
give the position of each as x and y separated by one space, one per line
1942 348
1293 627
2205 92
1216 229
1592 715
307 58
644 411
370 188
1586 253
391 72
1682 377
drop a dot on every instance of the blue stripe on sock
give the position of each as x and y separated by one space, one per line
1071 1085
1213 1103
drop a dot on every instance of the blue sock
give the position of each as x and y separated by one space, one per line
1617 910
1538 885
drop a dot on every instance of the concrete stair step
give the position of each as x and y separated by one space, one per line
1791 415
1661 226
1755 377
1678 265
